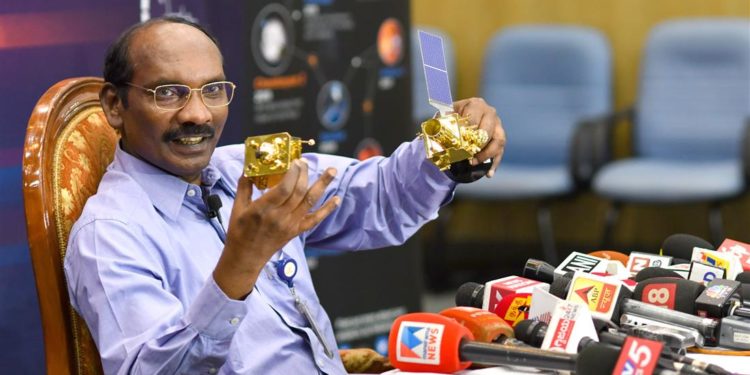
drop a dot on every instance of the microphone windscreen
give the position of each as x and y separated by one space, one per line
559 287
651 272
484 325
744 292
743 277
539 270
676 294
681 245
597 359
470 294
625 293
531 332
410 348
611 255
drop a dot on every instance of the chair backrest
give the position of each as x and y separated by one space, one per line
694 90
68 147
544 79
421 109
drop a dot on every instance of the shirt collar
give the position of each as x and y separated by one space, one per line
167 192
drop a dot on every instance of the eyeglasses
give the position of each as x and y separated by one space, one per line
171 97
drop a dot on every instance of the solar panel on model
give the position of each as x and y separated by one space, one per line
435 71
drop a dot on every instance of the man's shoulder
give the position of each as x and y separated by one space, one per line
118 198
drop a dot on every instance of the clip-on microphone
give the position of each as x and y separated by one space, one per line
213 204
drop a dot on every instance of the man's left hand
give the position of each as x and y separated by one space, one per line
485 116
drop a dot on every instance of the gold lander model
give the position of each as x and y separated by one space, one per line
450 141
268 157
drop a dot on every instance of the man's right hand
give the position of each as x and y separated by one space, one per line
257 229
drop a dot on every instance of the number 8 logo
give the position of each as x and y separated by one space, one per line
658 296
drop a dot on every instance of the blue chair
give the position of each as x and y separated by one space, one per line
690 138
544 81
421 109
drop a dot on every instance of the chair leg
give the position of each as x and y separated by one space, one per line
610 221
716 224
546 235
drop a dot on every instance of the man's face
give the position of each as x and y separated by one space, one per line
178 141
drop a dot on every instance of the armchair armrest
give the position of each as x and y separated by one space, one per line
592 145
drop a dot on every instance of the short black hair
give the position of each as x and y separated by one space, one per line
118 69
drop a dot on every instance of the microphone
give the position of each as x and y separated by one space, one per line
539 270
740 251
425 342
601 295
213 203
680 245
726 261
706 327
491 296
559 287
611 255
730 332
705 272
579 262
514 308
532 332
569 324
640 261
470 294
673 293
484 325
637 356
652 272
744 278
721 298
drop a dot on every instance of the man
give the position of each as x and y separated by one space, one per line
162 287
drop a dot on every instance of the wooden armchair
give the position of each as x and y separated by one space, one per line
68 147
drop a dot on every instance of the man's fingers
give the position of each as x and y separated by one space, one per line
496 144
485 117
244 189
244 194
495 163
316 190
280 193
313 218
300 187
458 106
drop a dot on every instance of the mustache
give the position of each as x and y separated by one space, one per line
190 130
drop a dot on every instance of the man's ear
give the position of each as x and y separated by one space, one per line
112 106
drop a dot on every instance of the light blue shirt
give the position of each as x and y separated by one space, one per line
140 260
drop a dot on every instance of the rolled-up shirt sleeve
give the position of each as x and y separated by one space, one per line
116 282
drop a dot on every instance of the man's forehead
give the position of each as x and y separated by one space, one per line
170 48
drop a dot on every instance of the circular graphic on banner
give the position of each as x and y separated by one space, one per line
333 105
390 41
272 39
368 148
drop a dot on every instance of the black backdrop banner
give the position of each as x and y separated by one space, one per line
339 72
